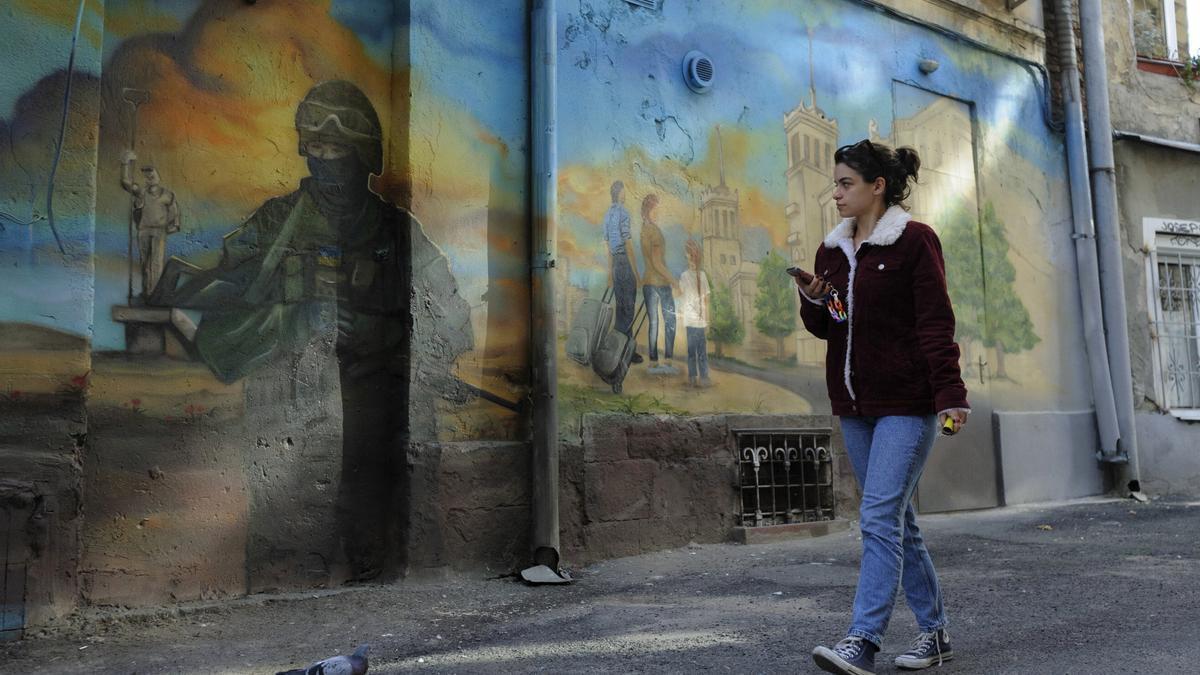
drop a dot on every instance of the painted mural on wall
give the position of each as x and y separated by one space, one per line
743 176
47 179
229 216
287 255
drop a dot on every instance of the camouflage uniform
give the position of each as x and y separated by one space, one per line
357 277
320 261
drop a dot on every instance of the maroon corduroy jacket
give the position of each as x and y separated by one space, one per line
895 354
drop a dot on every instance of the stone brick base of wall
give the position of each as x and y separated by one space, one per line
470 507
644 483
41 441
628 485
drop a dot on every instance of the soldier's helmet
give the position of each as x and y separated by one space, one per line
337 111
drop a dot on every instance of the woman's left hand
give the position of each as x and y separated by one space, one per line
959 415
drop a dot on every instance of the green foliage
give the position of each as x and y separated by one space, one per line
1190 72
960 247
724 326
776 301
1008 326
575 400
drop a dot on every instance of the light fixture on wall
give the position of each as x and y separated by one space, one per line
927 66
698 72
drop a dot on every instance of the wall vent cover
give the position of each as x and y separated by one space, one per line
648 4
698 72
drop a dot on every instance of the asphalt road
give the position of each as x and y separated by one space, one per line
1083 587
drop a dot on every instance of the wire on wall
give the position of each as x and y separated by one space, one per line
62 128
1035 69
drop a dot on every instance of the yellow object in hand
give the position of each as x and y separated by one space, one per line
948 427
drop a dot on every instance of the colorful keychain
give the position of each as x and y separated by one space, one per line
834 304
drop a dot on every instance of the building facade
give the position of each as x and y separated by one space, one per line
324 384
1152 54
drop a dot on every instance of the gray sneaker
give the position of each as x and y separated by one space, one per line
928 649
852 656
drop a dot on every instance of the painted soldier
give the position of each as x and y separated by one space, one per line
332 266
155 215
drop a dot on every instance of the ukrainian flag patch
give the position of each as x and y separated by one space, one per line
329 256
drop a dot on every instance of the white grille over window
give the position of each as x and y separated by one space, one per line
1174 276
786 476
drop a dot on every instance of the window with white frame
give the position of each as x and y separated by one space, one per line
1167 29
1173 272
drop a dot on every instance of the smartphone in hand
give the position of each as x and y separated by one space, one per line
804 277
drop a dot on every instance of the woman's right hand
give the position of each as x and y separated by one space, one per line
816 290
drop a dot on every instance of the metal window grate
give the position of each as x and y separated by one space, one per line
648 4
786 476
1178 326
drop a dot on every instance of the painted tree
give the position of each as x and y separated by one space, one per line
724 326
986 305
776 301
1009 326
964 279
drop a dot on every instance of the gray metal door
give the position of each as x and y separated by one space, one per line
963 470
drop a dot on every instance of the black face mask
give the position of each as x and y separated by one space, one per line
340 184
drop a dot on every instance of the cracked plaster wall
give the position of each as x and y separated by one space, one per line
1152 182
145 480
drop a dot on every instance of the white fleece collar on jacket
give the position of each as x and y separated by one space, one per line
889 228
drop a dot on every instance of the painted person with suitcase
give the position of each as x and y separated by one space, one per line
623 274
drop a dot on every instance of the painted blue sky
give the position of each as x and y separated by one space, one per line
462 50
760 49
34 47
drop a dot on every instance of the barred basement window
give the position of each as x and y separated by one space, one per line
1174 271
786 476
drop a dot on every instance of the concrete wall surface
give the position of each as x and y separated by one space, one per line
1170 461
1019 31
1152 103
1049 456
1158 183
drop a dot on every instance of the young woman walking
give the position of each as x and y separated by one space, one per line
879 300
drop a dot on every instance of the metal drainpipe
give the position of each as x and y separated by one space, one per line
1108 241
1084 235
543 236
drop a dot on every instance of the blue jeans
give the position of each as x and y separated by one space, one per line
656 296
888 455
697 346
624 294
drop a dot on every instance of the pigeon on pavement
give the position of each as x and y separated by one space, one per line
355 664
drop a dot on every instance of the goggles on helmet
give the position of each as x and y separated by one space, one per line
317 117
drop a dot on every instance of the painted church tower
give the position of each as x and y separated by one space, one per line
811 214
720 225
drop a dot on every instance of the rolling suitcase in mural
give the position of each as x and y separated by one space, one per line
592 322
612 357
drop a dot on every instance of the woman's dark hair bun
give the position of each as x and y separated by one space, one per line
874 160
909 161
